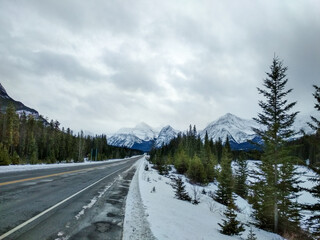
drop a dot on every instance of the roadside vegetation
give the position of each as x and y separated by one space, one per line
274 192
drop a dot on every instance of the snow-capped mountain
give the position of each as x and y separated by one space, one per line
141 137
5 100
300 124
237 129
165 136
143 131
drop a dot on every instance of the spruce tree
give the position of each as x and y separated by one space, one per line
196 171
180 191
225 188
314 220
241 187
4 155
209 159
251 235
277 121
231 226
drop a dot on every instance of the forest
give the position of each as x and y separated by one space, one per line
26 139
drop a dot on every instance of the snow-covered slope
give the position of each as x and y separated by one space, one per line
301 123
124 140
165 136
143 131
140 137
237 129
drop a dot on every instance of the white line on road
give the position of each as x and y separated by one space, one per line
53 207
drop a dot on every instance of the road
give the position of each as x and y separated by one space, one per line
77 202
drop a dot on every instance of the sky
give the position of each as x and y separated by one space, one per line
102 65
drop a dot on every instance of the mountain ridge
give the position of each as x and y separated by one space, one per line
238 130
5 100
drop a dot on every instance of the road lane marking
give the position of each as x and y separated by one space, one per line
51 175
40 177
55 206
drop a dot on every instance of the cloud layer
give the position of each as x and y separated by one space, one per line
102 65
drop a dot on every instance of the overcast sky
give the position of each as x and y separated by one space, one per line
102 65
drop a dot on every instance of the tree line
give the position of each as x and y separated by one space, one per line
26 139
274 192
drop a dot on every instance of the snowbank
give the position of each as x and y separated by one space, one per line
170 218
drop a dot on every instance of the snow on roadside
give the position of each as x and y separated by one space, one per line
170 218
136 226
28 167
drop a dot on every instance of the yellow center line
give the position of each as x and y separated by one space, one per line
45 176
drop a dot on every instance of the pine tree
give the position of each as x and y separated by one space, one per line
251 235
196 171
181 160
4 155
209 159
241 187
231 226
12 129
314 220
225 188
33 151
277 120
180 191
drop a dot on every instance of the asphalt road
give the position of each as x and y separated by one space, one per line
79 202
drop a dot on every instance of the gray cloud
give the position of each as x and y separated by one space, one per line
102 65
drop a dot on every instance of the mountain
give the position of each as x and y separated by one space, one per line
141 137
5 100
165 136
142 131
240 133
237 129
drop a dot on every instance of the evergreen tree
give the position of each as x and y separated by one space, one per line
251 235
219 148
4 155
181 160
231 226
12 129
314 220
241 187
180 191
33 151
196 171
277 120
208 159
225 188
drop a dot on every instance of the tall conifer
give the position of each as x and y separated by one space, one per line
277 121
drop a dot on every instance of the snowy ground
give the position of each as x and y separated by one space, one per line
27 167
170 218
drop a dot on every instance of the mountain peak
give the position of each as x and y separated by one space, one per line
3 92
